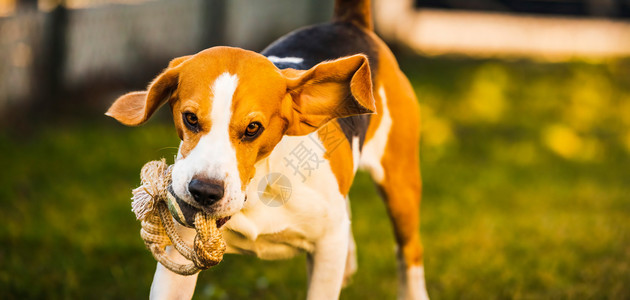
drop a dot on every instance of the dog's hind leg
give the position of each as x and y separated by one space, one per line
392 158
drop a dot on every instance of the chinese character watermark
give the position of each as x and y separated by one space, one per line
274 189
303 158
309 154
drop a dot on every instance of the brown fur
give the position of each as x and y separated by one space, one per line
401 187
358 12
293 102
290 102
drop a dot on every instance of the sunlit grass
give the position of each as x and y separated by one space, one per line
526 195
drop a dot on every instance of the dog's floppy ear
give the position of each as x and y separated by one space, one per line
135 108
333 89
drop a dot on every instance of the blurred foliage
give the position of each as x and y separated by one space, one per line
526 195
526 184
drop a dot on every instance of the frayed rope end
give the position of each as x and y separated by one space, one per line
155 177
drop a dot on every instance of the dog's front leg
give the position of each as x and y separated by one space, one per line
328 263
169 285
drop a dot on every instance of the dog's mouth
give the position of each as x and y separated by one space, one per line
184 213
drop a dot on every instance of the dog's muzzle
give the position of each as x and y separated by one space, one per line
183 212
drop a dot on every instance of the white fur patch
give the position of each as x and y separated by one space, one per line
214 156
168 285
223 89
314 208
374 149
291 60
414 287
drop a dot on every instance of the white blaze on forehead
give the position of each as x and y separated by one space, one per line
223 90
214 155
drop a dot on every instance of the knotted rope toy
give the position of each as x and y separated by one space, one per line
155 206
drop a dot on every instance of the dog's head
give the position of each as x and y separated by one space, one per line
231 107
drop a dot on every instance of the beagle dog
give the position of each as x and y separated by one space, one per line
272 141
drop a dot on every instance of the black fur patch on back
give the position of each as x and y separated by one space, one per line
324 42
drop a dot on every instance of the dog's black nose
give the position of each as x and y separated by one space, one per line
206 191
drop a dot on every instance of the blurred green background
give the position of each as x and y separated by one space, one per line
526 162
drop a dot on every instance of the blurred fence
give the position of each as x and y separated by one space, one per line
549 30
87 51
50 55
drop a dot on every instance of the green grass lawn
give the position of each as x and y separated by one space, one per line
526 175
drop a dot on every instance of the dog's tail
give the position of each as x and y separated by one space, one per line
358 12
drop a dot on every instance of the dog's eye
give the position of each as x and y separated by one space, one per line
191 120
253 130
